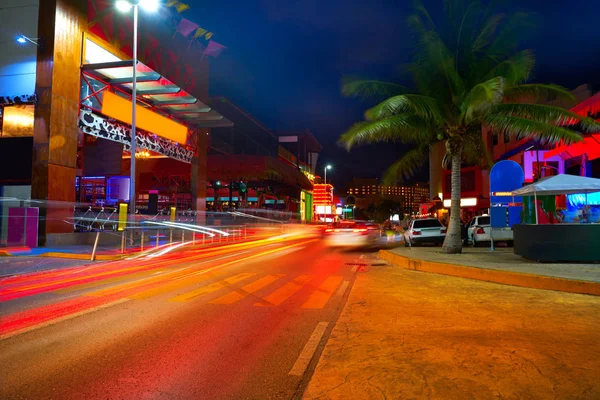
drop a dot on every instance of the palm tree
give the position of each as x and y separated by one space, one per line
467 74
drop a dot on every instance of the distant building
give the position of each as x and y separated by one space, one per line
410 196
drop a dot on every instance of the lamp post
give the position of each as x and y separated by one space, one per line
125 6
325 178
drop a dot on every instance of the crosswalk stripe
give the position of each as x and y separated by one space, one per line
252 287
170 286
321 296
284 292
212 288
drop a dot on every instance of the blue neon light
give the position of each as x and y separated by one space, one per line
578 200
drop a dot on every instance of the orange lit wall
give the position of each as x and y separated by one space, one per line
119 108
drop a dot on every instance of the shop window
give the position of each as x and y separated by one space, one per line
17 121
494 139
506 137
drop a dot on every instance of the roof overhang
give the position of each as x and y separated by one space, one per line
157 92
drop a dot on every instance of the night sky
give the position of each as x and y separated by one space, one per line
285 61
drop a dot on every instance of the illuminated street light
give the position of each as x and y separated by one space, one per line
125 6
22 39
325 177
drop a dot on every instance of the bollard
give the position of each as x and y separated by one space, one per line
157 238
123 242
142 242
95 246
170 236
182 236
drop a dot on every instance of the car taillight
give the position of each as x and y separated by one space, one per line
362 231
480 231
328 230
416 233
443 231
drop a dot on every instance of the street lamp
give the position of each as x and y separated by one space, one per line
325 178
125 6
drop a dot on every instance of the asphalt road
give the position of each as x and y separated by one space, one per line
244 324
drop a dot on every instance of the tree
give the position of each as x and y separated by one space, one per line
467 73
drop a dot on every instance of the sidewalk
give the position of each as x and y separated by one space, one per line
405 334
499 266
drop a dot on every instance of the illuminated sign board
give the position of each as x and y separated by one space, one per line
116 107
466 202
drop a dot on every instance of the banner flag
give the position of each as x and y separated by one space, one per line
214 49
186 27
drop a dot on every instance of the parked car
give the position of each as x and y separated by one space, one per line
352 234
428 230
478 232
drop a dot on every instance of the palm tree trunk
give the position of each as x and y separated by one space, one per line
453 240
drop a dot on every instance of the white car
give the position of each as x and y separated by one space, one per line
478 232
352 234
428 230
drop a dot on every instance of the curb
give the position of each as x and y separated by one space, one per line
492 275
77 256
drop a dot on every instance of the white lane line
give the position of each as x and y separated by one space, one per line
342 288
354 268
309 349
61 319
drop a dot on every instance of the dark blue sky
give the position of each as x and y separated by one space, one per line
285 60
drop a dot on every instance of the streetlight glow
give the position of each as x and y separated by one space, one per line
329 167
21 39
150 5
123 5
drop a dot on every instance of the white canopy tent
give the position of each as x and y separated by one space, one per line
559 184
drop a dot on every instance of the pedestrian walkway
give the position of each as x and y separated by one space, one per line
409 335
499 266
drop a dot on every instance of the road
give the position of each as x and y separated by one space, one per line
245 322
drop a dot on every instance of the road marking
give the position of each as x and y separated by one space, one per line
212 288
343 288
309 349
284 292
321 296
64 318
252 287
354 268
177 283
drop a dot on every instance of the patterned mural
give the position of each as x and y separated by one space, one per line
101 127
17 100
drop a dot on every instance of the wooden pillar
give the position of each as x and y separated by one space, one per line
199 176
60 28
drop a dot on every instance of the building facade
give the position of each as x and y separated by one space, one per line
410 196
65 99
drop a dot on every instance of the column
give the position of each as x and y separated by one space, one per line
55 128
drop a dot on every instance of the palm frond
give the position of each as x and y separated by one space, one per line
537 91
482 97
515 69
435 59
513 32
422 106
547 114
406 166
475 152
405 128
523 127
487 32
371 88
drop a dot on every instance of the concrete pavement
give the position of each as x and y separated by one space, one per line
499 266
409 334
